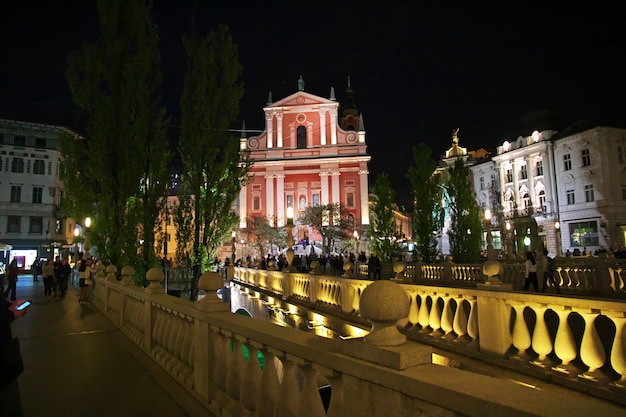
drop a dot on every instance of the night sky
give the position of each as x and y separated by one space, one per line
419 69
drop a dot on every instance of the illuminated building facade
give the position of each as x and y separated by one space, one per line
309 154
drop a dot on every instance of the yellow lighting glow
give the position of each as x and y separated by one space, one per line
87 221
487 214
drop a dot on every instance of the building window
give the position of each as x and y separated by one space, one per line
567 162
36 225
350 199
570 197
620 155
40 167
542 201
526 200
586 157
37 195
509 175
523 173
301 137
316 200
589 193
16 194
256 203
17 165
539 168
40 143
482 183
512 203
13 224
584 234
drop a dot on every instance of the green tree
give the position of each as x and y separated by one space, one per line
118 174
427 213
465 227
214 171
332 221
383 230
260 232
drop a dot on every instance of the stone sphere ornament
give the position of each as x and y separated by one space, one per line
210 282
384 303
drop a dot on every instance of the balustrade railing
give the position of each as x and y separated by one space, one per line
236 365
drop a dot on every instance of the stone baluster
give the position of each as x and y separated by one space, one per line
268 389
414 309
355 296
541 340
127 275
309 401
564 343
618 352
591 349
521 334
249 388
472 321
222 344
111 270
460 320
434 319
289 390
447 318
234 377
424 313
335 408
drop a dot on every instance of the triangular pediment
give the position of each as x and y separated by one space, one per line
300 98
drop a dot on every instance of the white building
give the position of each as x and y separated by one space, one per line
30 192
566 190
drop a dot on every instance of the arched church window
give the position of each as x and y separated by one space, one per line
542 200
526 200
301 137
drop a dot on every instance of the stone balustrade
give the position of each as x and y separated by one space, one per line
239 366
573 337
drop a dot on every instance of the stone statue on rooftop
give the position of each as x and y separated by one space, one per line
301 84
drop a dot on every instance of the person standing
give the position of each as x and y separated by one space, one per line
11 277
531 272
84 274
35 270
374 267
10 401
62 273
549 268
48 278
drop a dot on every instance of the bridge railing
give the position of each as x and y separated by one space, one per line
236 365
572 337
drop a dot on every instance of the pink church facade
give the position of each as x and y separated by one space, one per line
308 155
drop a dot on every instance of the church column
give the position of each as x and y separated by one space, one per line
516 184
324 185
269 127
335 182
269 198
280 199
243 206
323 126
333 126
279 130
364 192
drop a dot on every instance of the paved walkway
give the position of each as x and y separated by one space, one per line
79 364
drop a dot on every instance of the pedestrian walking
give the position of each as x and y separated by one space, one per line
48 278
62 272
531 272
549 265
11 277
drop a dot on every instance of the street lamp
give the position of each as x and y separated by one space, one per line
557 233
489 236
290 241
356 242
87 244
234 235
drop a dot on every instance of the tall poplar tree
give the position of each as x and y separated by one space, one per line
214 171
465 228
383 230
118 174
427 210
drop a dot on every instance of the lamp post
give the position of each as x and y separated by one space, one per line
234 235
87 244
290 241
489 236
356 242
557 233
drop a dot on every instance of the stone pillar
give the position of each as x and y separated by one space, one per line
322 126
269 197
364 196
324 186
336 189
279 129
493 324
280 200
243 206
269 128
